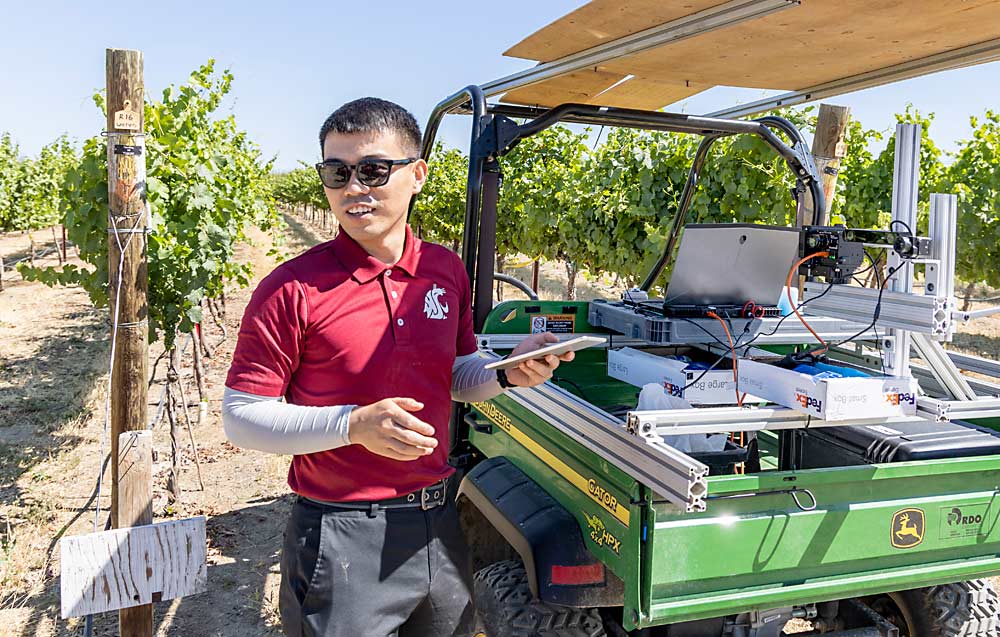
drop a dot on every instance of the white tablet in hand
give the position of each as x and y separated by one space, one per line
571 345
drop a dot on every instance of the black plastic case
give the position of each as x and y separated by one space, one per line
853 445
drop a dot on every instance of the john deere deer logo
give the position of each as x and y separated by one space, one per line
907 528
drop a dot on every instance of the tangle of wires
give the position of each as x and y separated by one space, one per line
882 283
777 325
878 308
647 309
875 261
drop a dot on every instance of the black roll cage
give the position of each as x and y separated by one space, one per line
495 133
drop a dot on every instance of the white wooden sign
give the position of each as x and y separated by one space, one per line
134 566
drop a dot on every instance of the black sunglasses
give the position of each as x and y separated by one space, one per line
371 172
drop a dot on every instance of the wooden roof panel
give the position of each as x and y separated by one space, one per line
601 21
606 89
808 45
581 87
645 94
818 42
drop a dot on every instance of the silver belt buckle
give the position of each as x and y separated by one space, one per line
432 496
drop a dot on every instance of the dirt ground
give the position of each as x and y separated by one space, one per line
54 355
53 366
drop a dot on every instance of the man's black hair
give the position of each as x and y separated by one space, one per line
370 115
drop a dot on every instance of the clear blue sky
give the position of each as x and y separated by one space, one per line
294 62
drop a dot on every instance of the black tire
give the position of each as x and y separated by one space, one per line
504 608
962 609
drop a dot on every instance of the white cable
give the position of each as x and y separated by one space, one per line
111 365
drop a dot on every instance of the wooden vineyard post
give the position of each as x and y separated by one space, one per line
131 491
828 148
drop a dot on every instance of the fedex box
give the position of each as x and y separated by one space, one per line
638 368
846 398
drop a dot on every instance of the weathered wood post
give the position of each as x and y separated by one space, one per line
131 491
828 148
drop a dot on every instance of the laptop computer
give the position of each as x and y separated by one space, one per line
723 266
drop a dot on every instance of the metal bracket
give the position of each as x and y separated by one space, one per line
500 136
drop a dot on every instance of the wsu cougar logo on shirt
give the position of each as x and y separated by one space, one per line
433 307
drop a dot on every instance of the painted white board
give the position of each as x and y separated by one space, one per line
134 566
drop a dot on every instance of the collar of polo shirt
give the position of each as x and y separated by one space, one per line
364 267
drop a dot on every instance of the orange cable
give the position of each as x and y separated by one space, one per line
732 350
795 309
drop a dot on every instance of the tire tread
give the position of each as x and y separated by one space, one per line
506 608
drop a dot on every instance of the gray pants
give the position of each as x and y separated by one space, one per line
391 572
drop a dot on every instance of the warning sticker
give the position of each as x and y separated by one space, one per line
555 323
962 521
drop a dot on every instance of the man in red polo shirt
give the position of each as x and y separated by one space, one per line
367 338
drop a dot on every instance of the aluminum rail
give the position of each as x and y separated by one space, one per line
510 341
718 17
976 364
930 383
918 313
941 410
942 367
983 52
711 420
670 473
965 317
662 330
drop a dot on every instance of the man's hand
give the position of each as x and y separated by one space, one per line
388 429
536 371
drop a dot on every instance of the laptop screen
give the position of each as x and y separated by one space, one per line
730 264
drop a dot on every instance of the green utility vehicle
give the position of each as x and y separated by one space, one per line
582 520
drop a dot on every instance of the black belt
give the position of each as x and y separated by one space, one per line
426 498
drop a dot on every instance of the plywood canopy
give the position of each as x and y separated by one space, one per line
803 46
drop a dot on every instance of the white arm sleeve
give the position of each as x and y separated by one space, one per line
268 424
470 383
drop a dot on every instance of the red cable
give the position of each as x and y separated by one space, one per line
732 350
795 309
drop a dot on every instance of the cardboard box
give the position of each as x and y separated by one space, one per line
830 398
639 368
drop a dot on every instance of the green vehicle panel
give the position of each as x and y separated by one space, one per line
874 529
